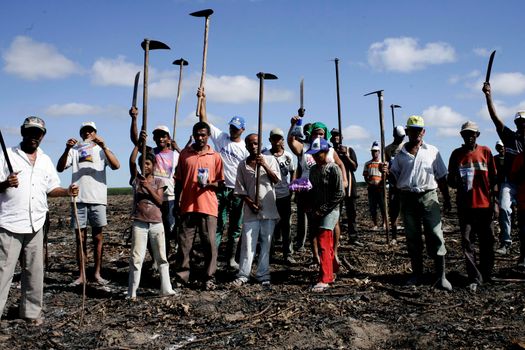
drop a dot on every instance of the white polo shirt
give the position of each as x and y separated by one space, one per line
23 209
418 173
232 153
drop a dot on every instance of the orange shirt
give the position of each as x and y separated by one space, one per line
194 198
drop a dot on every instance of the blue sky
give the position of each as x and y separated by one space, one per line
74 61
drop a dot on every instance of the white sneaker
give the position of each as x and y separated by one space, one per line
503 250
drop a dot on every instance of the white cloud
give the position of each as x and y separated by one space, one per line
482 52
506 83
355 132
32 60
442 116
504 112
235 89
448 132
405 55
106 71
241 89
81 109
465 77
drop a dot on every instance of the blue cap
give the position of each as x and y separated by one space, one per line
238 122
318 145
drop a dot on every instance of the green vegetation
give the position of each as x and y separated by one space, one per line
119 191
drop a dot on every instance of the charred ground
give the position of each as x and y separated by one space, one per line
368 308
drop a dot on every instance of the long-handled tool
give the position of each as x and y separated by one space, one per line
6 156
489 67
206 14
82 258
381 124
393 118
181 63
338 99
148 45
262 76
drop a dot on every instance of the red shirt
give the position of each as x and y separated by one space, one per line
194 198
473 174
517 175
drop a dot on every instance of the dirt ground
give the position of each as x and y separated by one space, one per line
368 307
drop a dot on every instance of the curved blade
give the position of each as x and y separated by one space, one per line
202 13
135 88
154 45
180 62
489 67
266 76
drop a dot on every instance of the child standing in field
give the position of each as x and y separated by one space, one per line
147 224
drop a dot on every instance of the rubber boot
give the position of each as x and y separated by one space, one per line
165 283
417 270
231 253
442 281
133 282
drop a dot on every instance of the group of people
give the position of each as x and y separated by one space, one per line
199 190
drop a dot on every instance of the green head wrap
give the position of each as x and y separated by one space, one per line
320 125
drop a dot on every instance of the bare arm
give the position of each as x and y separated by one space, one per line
133 162
295 146
62 161
112 159
156 194
492 110
133 130
72 190
203 117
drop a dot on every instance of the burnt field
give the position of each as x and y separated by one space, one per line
368 307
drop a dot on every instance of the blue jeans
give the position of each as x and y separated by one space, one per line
252 232
507 196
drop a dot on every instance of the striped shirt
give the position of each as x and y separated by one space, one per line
372 174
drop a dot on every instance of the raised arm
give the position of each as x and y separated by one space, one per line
492 110
133 163
62 161
203 117
133 130
295 146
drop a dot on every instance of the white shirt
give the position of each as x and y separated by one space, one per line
418 173
246 183
232 153
89 172
287 168
23 209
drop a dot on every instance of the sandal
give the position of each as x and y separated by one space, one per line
320 287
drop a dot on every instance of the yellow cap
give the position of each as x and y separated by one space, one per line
415 121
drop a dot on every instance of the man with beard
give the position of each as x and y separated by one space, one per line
23 208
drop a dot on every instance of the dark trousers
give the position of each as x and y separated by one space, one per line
521 230
351 215
282 229
206 226
477 221
394 206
